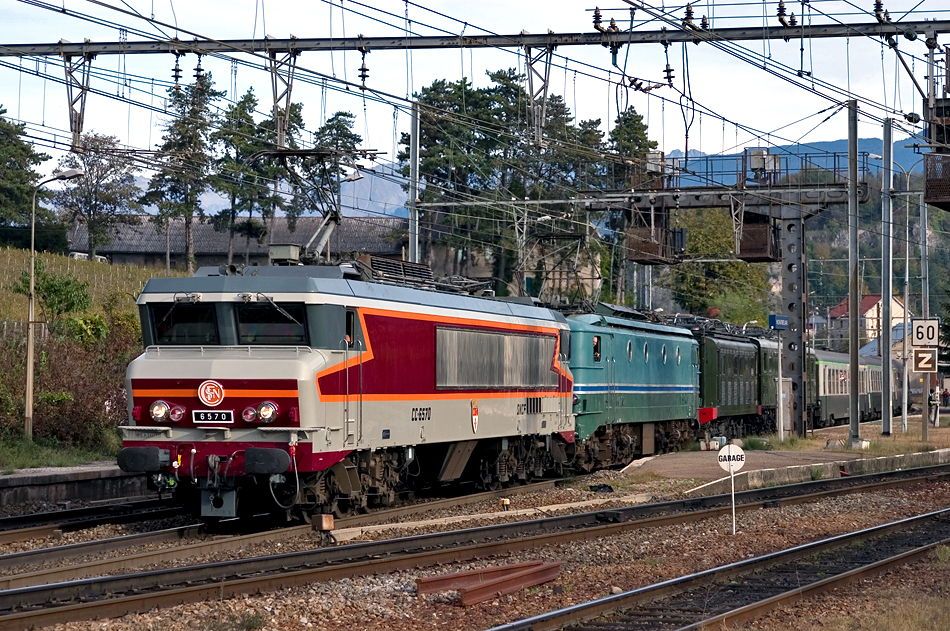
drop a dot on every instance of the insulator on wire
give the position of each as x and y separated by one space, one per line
704 23
364 71
781 8
792 21
669 74
198 69
176 72
597 19
689 14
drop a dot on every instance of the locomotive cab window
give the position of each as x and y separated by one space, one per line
184 324
596 348
350 328
271 323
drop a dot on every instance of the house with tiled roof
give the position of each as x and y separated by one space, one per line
870 315
142 242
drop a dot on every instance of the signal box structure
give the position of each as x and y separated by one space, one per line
937 163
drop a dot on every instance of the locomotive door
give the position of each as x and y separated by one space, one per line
610 372
353 401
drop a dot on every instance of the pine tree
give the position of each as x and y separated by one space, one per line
18 182
187 155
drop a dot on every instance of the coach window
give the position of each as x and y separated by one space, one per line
679 356
629 351
596 348
646 352
663 353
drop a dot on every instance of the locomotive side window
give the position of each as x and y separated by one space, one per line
596 348
566 343
629 351
271 323
350 328
184 324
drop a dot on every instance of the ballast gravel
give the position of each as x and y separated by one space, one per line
590 569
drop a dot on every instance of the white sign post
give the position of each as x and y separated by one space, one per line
731 459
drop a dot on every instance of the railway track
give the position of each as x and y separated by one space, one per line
109 596
129 542
740 592
36 525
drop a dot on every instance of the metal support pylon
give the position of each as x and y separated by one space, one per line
796 308
282 82
77 87
539 92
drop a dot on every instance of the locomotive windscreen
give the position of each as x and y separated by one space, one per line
185 324
275 324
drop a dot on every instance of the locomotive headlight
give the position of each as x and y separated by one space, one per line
267 412
159 411
176 413
249 415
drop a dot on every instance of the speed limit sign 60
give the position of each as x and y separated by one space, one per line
925 332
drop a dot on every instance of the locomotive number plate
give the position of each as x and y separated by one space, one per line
212 416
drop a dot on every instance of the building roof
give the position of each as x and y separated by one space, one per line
377 235
871 348
867 303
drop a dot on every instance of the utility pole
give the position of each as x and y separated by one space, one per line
925 307
414 185
884 342
854 305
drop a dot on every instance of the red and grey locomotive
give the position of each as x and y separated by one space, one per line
306 388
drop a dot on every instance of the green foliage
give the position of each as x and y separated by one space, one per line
740 290
754 443
86 329
18 180
186 155
57 294
17 453
943 554
54 398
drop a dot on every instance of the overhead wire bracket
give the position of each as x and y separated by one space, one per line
282 82
77 69
538 81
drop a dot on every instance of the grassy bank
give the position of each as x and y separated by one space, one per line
45 452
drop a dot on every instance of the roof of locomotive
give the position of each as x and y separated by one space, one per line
330 280
593 320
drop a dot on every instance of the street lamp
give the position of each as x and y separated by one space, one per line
68 174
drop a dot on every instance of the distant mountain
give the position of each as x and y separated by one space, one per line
705 169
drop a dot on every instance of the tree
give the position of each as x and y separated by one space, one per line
18 182
58 295
186 152
236 176
740 290
106 195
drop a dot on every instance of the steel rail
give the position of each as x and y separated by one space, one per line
230 578
47 524
611 604
94 568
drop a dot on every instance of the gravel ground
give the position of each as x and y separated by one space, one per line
590 570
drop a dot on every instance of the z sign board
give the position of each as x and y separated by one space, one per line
925 332
925 360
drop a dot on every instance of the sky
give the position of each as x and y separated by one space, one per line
735 104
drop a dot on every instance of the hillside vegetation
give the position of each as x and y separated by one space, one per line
117 285
81 356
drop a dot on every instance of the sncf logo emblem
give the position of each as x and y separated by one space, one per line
211 393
